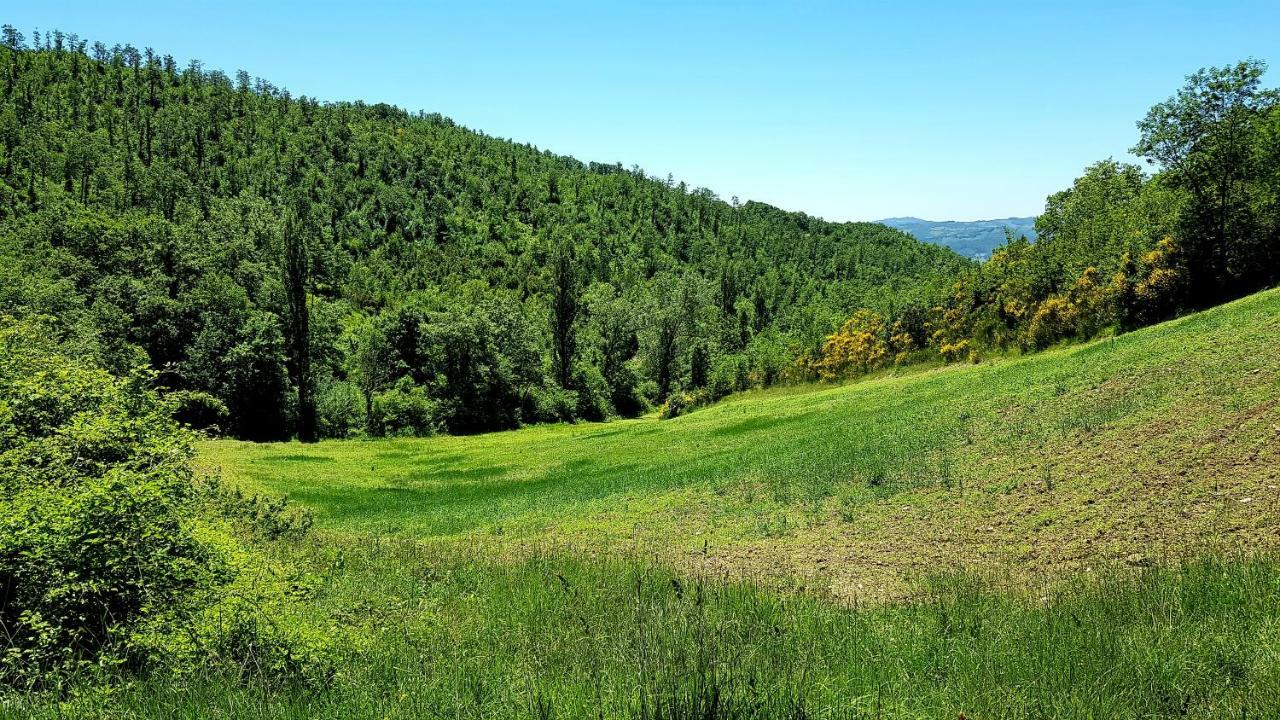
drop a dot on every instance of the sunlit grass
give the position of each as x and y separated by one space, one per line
1008 540
1045 450
443 633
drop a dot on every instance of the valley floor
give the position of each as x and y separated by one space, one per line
1151 446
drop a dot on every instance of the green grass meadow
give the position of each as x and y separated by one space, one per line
431 634
1149 443
1084 533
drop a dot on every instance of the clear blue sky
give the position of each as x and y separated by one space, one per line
848 110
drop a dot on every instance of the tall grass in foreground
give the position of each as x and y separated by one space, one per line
422 632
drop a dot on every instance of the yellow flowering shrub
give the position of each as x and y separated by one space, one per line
1054 319
902 344
954 351
858 347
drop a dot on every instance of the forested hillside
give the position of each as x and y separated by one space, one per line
270 254
295 268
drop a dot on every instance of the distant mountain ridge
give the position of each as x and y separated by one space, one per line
973 239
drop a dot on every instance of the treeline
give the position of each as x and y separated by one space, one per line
1119 249
289 267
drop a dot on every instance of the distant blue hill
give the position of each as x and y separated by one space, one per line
971 239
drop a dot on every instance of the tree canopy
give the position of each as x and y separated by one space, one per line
298 268
385 271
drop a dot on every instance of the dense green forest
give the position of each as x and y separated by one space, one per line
294 267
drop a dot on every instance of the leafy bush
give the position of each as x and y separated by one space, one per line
858 347
768 357
199 410
97 540
339 409
1053 320
407 409
954 351
681 403
549 403
257 650
258 516
629 392
1165 279
593 392
728 375
112 553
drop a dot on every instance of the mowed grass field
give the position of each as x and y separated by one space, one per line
1138 449
1083 533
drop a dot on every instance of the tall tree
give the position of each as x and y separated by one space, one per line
1203 137
296 263
565 293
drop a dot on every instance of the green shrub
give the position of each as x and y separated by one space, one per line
256 515
729 375
629 393
549 404
767 358
255 650
97 539
593 392
113 555
407 410
339 409
199 410
681 403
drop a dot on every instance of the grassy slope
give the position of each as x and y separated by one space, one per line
1126 449
1132 449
